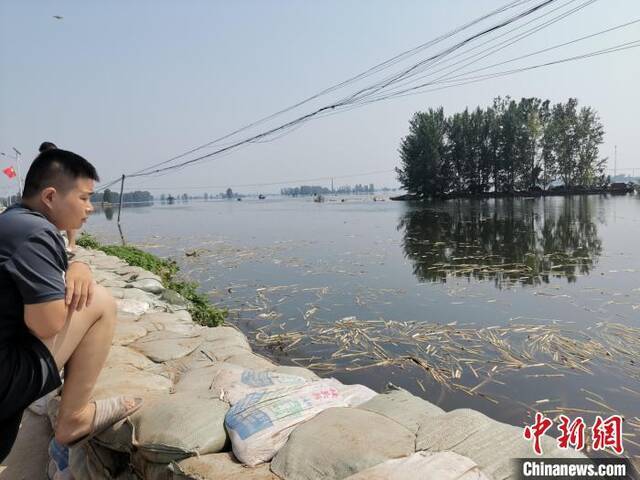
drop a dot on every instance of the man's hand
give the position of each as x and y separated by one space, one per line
80 286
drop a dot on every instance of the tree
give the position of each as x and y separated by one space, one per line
590 170
206 197
229 193
106 196
514 145
425 166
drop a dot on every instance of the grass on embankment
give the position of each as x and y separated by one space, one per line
199 306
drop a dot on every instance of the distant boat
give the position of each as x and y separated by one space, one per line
239 199
318 198
261 197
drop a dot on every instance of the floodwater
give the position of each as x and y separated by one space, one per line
508 306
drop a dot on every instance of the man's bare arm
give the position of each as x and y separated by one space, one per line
46 319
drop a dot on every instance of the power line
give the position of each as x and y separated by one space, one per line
476 57
366 73
447 78
369 72
407 72
467 81
463 81
342 103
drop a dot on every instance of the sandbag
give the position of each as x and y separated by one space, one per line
129 380
297 371
128 332
147 470
120 355
118 437
164 316
180 426
402 407
132 307
232 383
166 345
340 442
251 361
129 293
150 285
355 394
222 343
425 466
491 444
222 352
225 334
174 322
221 466
93 462
260 423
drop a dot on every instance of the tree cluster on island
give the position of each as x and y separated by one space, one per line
110 197
511 146
306 190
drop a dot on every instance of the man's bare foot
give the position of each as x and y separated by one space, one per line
72 427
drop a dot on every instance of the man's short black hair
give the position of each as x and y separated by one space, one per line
44 146
54 168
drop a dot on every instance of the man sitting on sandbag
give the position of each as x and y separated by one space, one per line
53 315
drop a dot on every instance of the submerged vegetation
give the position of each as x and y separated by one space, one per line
508 147
485 363
199 306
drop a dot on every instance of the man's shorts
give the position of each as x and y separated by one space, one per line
27 372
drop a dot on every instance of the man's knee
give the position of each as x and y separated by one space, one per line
105 302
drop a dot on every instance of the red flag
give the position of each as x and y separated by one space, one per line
9 172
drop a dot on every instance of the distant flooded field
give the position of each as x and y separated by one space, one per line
508 306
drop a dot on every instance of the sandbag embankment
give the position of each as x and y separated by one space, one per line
213 408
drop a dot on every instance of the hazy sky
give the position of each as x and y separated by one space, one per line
127 84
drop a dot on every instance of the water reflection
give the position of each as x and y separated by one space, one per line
506 240
109 210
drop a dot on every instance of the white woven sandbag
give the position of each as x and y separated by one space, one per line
260 424
231 382
425 466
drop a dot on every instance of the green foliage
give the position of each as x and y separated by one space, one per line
425 155
200 308
202 311
507 147
88 241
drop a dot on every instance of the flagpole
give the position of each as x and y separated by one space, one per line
18 154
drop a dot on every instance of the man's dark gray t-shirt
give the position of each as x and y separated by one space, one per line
33 263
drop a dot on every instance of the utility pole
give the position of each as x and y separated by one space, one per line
332 185
121 195
615 161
